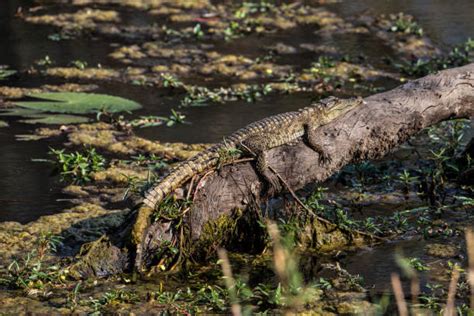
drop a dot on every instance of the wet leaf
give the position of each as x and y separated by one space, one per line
78 103
57 119
3 124
29 137
21 112
5 73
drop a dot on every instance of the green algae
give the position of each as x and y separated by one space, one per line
325 237
119 175
442 250
16 238
82 19
87 73
18 93
103 136
406 42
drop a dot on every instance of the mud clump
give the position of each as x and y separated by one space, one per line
99 259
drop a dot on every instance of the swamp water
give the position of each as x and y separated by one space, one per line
29 190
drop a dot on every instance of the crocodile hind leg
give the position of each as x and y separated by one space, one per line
271 179
257 146
311 141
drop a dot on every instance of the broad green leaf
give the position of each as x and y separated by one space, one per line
37 117
56 119
5 73
3 124
78 103
21 112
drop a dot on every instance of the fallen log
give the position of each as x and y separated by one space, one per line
369 131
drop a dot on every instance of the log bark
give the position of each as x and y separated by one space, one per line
367 132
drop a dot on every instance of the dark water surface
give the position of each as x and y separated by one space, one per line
28 190
446 22
376 265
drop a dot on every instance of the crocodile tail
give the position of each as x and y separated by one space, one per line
183 172
155 195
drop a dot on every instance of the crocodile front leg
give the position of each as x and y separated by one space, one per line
312 142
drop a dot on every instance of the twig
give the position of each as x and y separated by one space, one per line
293 194
307 209
415 291
200 180
449 311
188 195
238 161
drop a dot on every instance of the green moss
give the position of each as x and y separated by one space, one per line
215 234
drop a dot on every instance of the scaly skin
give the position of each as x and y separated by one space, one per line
256 138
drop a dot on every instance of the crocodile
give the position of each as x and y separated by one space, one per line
255 139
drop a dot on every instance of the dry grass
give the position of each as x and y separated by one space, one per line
399 296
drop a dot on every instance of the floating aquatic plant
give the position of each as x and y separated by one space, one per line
56 108
78 103
58 119
37 117
5 72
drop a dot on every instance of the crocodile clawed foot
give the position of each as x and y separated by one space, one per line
324 158
273 185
